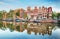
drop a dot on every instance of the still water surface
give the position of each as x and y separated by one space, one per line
29 30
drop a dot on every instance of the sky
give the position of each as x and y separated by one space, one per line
15 4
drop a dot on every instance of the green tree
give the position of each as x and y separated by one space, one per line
1 15
58 15
18 13
24 15
10 14
54 15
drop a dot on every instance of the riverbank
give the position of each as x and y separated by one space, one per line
34 21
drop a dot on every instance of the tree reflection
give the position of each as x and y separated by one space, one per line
44 28
2 27
11 27
41 28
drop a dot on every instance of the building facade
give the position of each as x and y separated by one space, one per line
37 12
40 13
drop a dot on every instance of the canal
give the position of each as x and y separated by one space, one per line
23 30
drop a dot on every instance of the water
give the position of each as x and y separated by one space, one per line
29 30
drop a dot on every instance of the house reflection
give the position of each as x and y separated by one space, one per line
41 28
44 28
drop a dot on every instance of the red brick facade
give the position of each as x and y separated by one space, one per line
42 11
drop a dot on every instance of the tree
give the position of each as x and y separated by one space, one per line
10 14
24 15
18 13
54 15
58 15
4 14
1 15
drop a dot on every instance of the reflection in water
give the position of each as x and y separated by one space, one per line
40 28
43 28
24 30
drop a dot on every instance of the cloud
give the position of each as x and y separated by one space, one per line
56 9
9 0
2 3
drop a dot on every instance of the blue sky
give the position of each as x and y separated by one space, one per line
14 4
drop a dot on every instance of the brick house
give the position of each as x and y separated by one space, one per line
37 13
40 13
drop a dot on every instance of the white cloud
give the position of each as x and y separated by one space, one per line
56 10
2 3
10 0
